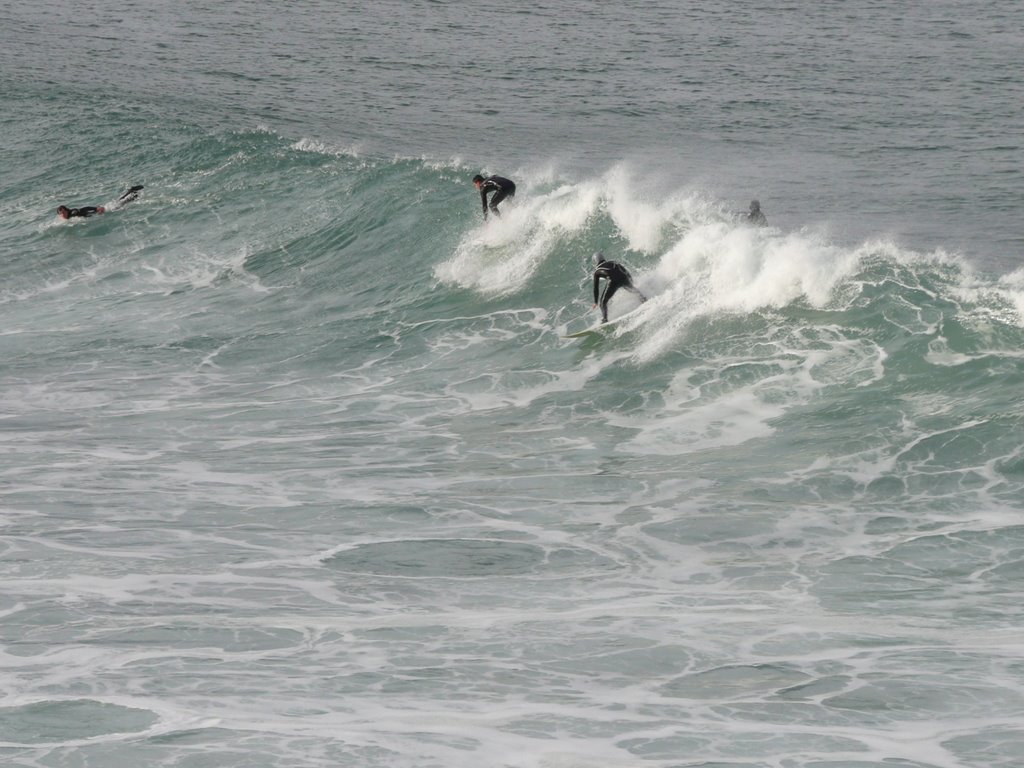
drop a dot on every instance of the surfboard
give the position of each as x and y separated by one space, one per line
601 328
596 330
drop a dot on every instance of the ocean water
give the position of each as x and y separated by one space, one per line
298 469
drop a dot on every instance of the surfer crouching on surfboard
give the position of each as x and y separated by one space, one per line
89 210
500 186
617 276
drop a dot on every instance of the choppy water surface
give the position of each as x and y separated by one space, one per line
299 468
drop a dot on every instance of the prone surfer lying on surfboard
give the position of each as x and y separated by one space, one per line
89 210
617 276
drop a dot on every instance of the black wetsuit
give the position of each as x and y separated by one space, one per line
618 277
757 218
87 210
501 187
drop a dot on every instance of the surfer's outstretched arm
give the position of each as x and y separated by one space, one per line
597 285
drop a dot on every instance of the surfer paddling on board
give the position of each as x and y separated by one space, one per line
86 210
89 210
617 276
500 186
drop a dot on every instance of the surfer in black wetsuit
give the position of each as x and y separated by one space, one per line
89 210
756 217
501 187
617 276
85 210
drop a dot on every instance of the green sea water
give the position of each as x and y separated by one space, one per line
299 468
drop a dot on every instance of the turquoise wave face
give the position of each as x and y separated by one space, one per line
290 263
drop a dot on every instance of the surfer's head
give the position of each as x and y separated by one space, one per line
478 180
64 212
598 258
754 206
